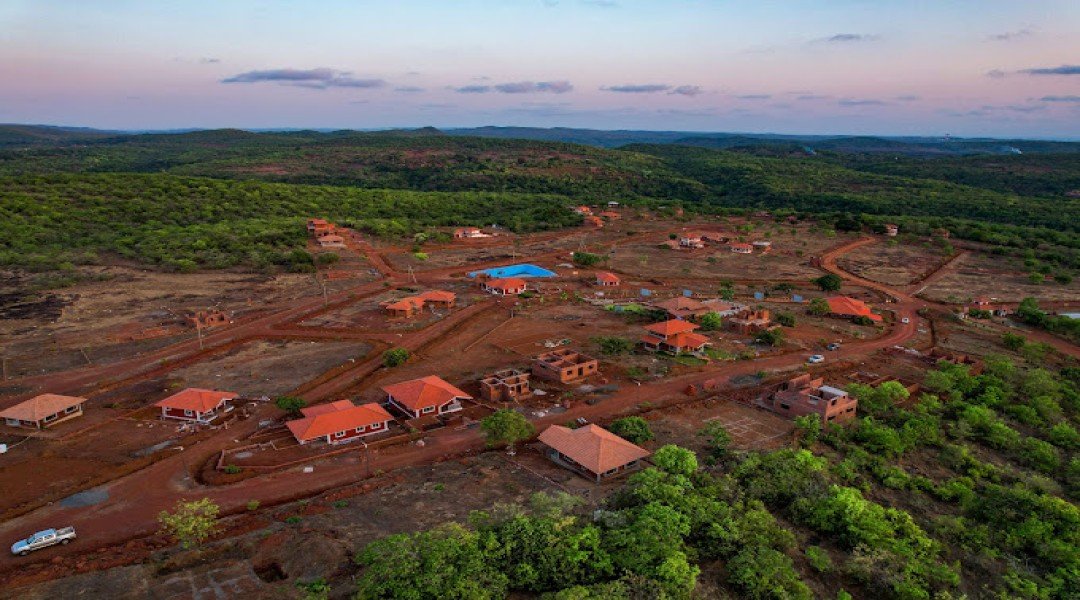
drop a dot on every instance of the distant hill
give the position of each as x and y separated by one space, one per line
13 135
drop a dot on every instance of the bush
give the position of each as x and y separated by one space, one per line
819 307
809 427
633 429
1013 341
772 337
611 345
710 321
719 438
253 505
587 259
786 319
819 559
829 283
675 460
290 404
506 427
191 523
395 357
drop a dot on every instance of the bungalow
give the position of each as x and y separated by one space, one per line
43 411
674 336
429 395
691 240
850 308
803 395
739 248
681 307
332 240
339 422
316 224
467 232
194 404
440 298
605 279
583 210
891 229
591 451
564 365
507 286
762 246
406 307
505 386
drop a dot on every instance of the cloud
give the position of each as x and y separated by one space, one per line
601 3
860 102
1010 35
687 90
209 61
319 79
754 97
908 98
535 87
841 38
808 97
473 89
1060 99
409 89
995 74
1062 70
637 88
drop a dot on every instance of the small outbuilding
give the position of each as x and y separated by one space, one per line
739 248
591 451
605 279
506 286
43 411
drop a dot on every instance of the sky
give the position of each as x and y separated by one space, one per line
998 68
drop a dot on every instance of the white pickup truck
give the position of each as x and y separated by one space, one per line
43 539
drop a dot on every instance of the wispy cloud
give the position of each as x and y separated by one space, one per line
860 102
535 87
1060 99
1009 36
687 90
1062 70
842 38
637 88
908 98
473 89
811 97
209 61
754 97
320 79
409 89
519 87
995 74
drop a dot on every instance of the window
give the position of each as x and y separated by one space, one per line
71 409
360 429
339 434
49 418
428 409
376 426
187 413
785 406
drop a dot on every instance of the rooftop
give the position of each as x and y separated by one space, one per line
39 407
592 447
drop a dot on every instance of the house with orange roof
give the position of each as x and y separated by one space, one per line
583 210
691 240
426 396
739 248
405 308
850 308
440 298
891 229
605 279
314 225
591 451
506 286
43 411
194 404
681 307
331 240
339 422
675 336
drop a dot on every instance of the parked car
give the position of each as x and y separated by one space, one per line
833 346
815 359
905 320
43 539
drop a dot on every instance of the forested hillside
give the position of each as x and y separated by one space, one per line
1018 201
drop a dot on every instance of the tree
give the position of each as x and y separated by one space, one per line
829 283
786 319
710 321
633 429
719 438
587 259
1013 341
819 307
809 427
772 337
290 404
506 426
611 345
395 357
675 460
190 523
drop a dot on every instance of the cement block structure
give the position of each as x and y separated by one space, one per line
564 366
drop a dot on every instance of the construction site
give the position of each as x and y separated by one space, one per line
134 339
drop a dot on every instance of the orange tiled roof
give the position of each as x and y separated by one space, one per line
39 407
680 303
417 394
196 399
506 283
842 305
687 340
607 277
410 303
321 409
592 447
671 327
337 416
438 296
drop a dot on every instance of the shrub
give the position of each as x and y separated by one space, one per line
786 319
829 283
819 559
587 259
675 460
290 404
395 357
710 321
611 345
191 523
506 426
633 429
253 505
